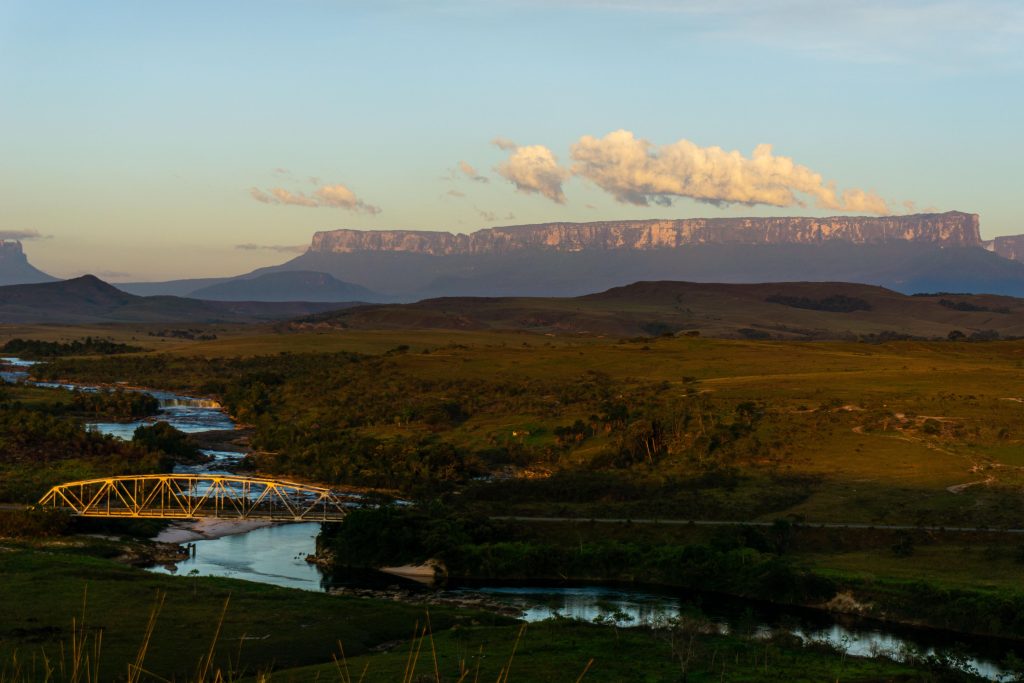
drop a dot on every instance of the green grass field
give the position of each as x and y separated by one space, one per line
264 626
290 635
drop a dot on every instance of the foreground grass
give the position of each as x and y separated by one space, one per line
272 635
264 626
567 651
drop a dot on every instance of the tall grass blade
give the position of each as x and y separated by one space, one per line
204 668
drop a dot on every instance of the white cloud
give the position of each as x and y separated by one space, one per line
260 196
635 171
470 172
534 169
340 197
283 196
864 202
503 143
335 196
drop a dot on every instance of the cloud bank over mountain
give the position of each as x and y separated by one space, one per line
635 171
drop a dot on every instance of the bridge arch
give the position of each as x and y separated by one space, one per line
194 496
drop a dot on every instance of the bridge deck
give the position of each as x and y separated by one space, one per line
194 496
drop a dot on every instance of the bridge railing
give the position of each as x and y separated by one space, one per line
191 496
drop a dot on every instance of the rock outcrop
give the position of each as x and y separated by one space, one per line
15 268
1009 246
953 228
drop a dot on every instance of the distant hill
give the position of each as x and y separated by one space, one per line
169 287
795 310
286 286
902 267
15 268
88 299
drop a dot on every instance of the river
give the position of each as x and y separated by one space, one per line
275 554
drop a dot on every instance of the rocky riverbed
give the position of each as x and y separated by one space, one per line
432 598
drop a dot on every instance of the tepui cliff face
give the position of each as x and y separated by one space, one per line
1008 246
14 266
953 228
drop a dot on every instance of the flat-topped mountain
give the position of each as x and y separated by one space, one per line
1009 247
914 253
88 299
953 228
920 252
15 268
787 310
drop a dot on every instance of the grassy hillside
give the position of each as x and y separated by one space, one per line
903 431
802 311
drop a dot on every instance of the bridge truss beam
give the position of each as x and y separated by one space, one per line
192 496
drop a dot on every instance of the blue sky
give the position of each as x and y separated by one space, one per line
150 140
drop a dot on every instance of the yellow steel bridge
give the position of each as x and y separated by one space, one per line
192 496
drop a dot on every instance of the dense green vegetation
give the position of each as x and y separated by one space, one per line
354 418
38 450
837 303
773 561
88 346
173 444
111 404
745 562
968 306
43 440
115 404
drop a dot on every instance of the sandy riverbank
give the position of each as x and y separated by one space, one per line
206 529
426 573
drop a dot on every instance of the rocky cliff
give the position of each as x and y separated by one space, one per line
953 228
15 268
1009 246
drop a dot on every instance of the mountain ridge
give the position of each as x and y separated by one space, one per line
88 299
952 228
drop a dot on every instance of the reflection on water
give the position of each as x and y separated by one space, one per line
627 607
18 362
182 412
272 554
587 603
185 413
221 462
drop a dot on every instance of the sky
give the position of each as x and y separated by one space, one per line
155 140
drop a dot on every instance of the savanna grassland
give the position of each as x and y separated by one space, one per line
920 433
909 452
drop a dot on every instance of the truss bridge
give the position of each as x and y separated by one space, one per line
194 496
